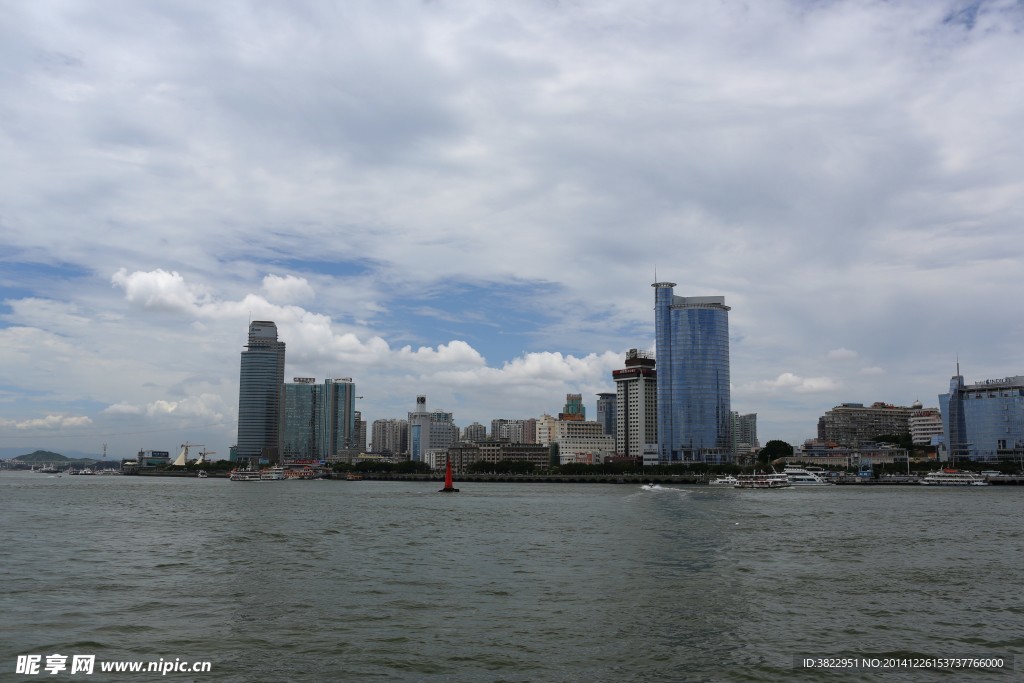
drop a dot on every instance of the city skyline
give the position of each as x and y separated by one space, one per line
470 203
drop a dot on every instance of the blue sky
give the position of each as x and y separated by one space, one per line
470 201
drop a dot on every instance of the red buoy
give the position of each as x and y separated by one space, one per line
448 488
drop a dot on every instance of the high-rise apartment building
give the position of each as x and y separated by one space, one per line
340 431
925 425
474 433
983 421
360 444
390 437
744 434
259 385
318 421
636 404
606 412
692 348
514 431
301 420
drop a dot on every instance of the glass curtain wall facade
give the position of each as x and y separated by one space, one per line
984 421
301 416
339 435
692 350
259 385
606 412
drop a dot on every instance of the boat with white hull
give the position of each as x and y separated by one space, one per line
953 478
762 480
798 476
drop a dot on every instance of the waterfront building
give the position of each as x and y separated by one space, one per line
390 437
925 425
606 412
828 454
850 424
692 349
636 404
462 455
578 440
429 430
474 433
260 379
983 421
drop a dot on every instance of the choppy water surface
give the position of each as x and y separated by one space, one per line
322 580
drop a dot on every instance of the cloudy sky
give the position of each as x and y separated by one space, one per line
470 200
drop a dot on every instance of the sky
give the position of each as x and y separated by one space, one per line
470 201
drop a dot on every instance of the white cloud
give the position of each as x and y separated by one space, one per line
50 422
288 289
159 289
872 371
789 382
439 195
842 354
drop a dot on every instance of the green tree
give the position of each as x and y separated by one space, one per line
774 449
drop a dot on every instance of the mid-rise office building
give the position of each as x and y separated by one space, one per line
429 430
636 405
259 385
692 349
983 421
851 424
579 441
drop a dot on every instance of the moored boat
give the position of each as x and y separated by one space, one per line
949 477
724 480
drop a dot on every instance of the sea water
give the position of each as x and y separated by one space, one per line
389 581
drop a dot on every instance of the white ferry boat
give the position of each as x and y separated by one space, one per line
244 475
272 474
953 478
726 480
799 476
762 480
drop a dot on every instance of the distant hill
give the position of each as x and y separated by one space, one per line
47 456
41 456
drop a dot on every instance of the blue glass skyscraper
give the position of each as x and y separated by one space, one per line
692 351
259 387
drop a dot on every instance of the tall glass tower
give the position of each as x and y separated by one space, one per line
692 350
259 386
